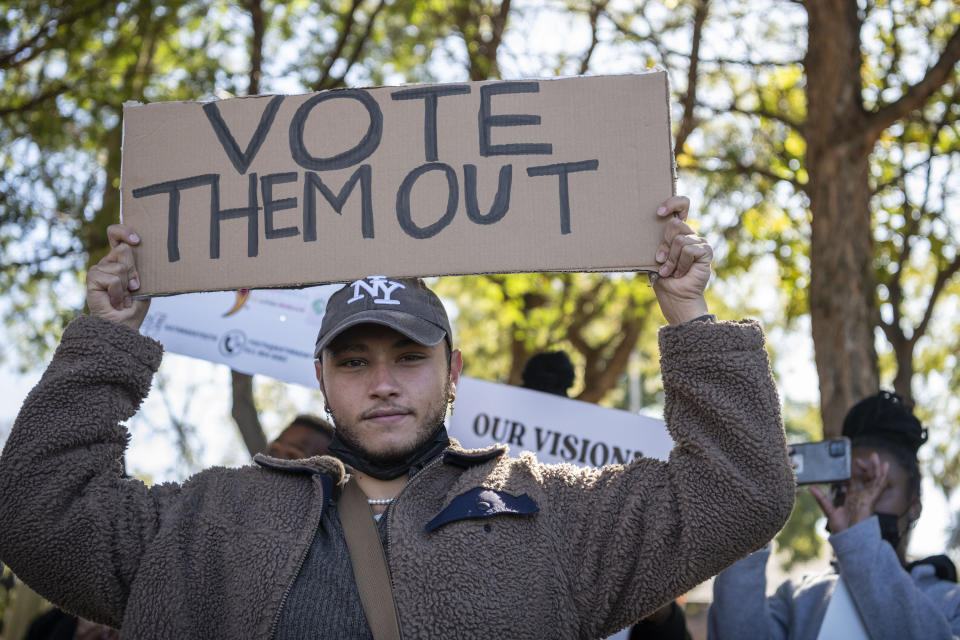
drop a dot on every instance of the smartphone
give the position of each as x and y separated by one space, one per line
822 462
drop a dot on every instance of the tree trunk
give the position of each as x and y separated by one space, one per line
244 413
842 288
903 350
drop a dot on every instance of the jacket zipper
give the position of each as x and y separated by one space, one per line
286 592
389 517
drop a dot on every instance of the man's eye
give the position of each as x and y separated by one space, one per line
412 357
351 363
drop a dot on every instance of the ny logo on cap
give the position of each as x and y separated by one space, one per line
379 288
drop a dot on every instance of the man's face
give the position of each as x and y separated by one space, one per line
299 441
387 393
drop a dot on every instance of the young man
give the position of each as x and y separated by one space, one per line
868 519
478 544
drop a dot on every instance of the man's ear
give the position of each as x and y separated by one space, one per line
318 365
456 366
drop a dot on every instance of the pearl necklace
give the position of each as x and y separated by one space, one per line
379 500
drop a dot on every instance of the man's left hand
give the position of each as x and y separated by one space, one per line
684 258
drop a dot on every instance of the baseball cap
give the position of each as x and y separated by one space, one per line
403 304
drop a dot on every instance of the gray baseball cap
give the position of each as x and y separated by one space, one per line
403 304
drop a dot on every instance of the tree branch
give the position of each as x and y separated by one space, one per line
760 112
744 170
759 64
688 123
360 44
36 100
36 261
917 94
605 377
596 8
349 19
8 58
256 46
943 277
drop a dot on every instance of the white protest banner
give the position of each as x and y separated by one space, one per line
282 191
555 428
266 331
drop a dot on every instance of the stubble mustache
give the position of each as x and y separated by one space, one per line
385 410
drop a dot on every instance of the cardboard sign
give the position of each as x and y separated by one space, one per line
478 177
555 428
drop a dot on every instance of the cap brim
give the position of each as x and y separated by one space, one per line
417 329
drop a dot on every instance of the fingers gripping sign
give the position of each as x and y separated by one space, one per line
112 282
684 258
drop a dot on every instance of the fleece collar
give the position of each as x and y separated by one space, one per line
457 456
317 465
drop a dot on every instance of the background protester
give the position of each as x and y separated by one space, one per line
306 436
550 372
869 519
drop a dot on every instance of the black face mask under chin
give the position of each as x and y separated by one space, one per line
411 463
890 527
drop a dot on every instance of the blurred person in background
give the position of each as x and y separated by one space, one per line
869 519
305 437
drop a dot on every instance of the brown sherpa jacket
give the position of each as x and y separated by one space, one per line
214 556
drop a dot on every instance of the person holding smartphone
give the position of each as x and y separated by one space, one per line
869 518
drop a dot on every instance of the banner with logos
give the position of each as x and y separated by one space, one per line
266 331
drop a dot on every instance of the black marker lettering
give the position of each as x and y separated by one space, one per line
403 201
486 121
173 187
501 203
314 183
367 145
563 169
270 205
241 159
569 451
430 96
251 212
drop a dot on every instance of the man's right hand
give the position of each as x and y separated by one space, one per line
112 281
